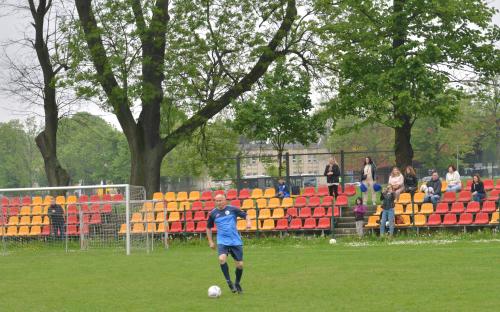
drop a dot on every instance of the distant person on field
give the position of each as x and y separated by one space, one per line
388 211
368 177
453 180
283 191
359 215
332 173
432 189
397 182
477 189
56 216
411 181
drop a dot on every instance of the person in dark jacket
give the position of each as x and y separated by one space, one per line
56 215
359 215
432 189
388 211
411 181
283 191
332 173
477 189
369 178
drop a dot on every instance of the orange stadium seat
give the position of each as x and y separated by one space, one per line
269 192
420 220
194 195
182 196
257 193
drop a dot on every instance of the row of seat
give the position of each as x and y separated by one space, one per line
447 197
442 208
449 219
60 200
43 210
39 230
90 218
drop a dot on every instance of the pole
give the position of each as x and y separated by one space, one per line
332 225
238 172
457 157
3 228
287 162
66 226
257 219
342 167
127 218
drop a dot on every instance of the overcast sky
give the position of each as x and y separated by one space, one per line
10 108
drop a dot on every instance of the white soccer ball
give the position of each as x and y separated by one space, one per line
214 292
333 241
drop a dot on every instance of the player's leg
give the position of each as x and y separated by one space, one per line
237 254
223 251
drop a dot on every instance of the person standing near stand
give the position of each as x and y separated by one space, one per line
332 173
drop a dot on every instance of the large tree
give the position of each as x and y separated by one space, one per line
401 60
161 56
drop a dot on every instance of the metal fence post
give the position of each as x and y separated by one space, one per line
342 167
238 172
127 218
287 162
257 219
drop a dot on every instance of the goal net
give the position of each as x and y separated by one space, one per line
75 218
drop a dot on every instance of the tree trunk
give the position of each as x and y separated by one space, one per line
280 163
145 169
402 143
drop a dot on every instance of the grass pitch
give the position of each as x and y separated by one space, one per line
291 275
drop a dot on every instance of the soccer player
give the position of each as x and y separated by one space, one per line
228 238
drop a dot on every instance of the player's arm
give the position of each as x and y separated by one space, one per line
210 225
244 215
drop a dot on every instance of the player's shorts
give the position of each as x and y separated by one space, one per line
235 251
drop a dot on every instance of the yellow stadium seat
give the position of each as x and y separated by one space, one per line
14 220
287 202
278 213
161 228
262 203
420 220
60 200
47 200
264 214
25 211
172 206
182 196
159 206
71 199
253 225
160 217
379 211
269 193
2 231
241 225
194 195
37 210
35 230
25 220
185 205
11 231
46 220
24 230
123 228
37 200
149 217
247 204
406 221
444 185
252 213
170 196
137 228
174 216
404 198
150 227
136 217
495 217
147 206
268 224
256 193
45 210
418 198
427 208
398 209
372 222
158 196
37 220
274 203
408 209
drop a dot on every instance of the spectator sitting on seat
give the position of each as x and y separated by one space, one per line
56 215
388 211
283 191
477 189
411 180
396 181
359 215
432 189
453 180
332 173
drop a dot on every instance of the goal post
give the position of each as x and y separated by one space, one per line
92 216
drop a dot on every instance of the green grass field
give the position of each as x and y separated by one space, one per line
291 275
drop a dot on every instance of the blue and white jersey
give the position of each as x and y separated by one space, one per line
225 219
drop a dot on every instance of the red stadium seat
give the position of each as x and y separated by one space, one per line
95 208
295 224
324 223
209 205
450 219
442 208
309 191
199 216
497 185
197 205
319 212
26 201
449 197
465 219
468 185
309 223
207 195
190 227
489 207
72 209
95 198
188 216
322 190
118 197
327 201
235 203
15 201
300 202
314 202
481 218
13 211
472 207
434 219
488 184
292 212
72 219
457 207
107 209
305 212
244 194
340 189
341 201
231 194
176 227
106 197
46 230
83 198
201 226
72 230
350 190
281 225
95 219
494 194
5 201
219 192
464 196
336 212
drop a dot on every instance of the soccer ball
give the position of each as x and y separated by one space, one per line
214 292
333 241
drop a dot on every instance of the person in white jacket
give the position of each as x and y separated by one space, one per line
396 180
453 180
